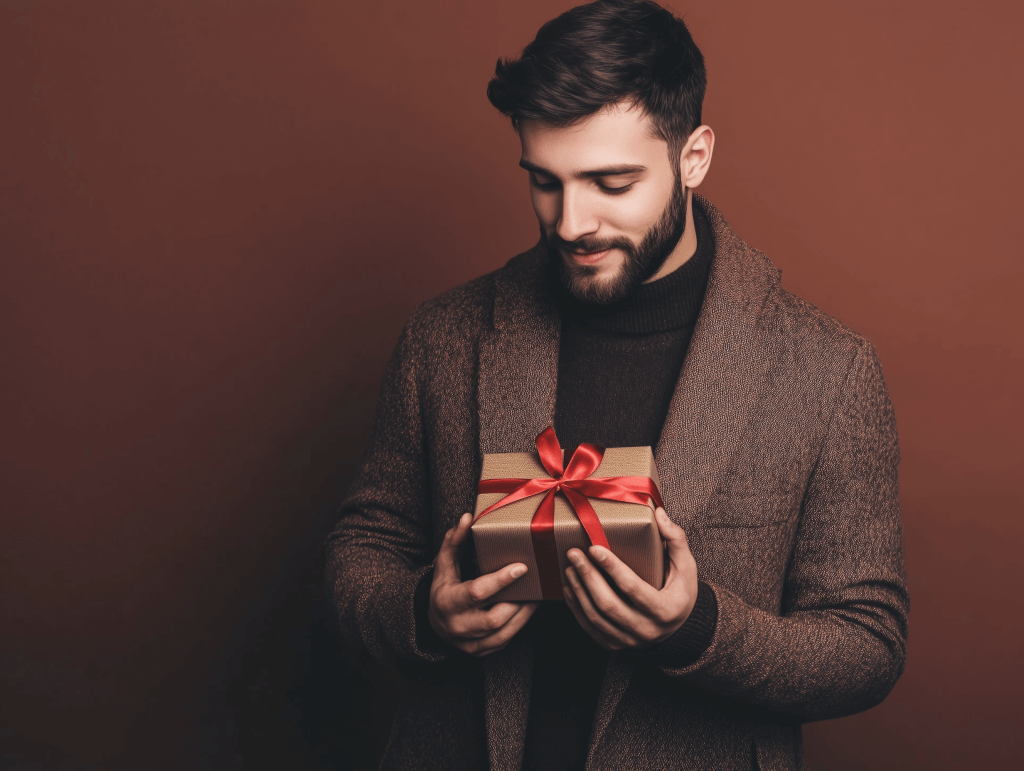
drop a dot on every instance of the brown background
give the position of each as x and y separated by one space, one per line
215 216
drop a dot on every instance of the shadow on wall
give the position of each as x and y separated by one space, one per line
296 695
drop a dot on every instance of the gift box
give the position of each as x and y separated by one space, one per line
531 509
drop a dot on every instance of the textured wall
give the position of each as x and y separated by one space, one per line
214 217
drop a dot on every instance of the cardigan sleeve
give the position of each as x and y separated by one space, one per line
689 641
380 552
839 644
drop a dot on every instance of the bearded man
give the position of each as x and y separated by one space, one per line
640 318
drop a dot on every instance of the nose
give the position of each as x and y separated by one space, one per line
576 219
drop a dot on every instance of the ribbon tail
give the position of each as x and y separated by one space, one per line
545 551
588 517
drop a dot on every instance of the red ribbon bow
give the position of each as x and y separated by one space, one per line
574 484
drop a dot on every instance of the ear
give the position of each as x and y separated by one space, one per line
695 160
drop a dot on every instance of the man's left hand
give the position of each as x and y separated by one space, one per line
632 613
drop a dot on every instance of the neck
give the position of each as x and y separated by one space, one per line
684 249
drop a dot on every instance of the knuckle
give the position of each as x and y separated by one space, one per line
605 605
498 641
630 588
440 617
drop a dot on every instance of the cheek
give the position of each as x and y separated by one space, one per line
545 207
633 218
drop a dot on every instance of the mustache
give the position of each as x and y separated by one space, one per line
589 245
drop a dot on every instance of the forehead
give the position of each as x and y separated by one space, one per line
615 135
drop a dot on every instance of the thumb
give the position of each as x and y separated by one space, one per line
446 566
675 539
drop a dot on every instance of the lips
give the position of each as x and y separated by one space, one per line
589 258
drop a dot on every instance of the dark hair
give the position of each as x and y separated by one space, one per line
602 53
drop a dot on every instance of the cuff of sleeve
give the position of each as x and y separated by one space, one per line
427 640
691 639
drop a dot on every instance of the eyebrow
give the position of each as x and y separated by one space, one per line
607 171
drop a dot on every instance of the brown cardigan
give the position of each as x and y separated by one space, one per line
778 457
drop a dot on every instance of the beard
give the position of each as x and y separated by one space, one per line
641 261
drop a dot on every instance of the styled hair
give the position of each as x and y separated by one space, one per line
602 53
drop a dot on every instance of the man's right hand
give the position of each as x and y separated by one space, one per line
461 612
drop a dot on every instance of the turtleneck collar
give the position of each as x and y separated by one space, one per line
671 302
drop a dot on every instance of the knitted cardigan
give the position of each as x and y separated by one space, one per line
778 457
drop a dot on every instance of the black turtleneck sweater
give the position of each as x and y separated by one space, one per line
618 366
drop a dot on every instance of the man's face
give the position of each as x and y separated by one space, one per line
610 204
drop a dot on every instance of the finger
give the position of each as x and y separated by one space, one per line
462 528
681 564
500 638
480 590
581 618
593 615
603 598
446 564
479 623
675 538
641 594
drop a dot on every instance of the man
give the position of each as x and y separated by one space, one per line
639 319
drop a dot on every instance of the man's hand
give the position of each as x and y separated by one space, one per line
636 614
461 613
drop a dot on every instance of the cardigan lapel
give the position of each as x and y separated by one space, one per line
722 376
519 358
516 397
724 372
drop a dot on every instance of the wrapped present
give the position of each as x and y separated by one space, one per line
531 509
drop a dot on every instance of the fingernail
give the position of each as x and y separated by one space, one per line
575 559
518 570
598 553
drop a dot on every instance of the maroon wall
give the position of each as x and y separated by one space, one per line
214 217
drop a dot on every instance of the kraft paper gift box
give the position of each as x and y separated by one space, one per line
510 533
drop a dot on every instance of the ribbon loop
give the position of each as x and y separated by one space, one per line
584 461
550 452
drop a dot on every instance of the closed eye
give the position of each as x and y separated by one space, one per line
543 185
615 190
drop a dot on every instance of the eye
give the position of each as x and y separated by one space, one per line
544 183
615 190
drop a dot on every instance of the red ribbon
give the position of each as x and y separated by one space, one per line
574 484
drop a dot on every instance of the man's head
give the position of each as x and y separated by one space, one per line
607 102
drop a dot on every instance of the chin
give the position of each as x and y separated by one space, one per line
598 289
